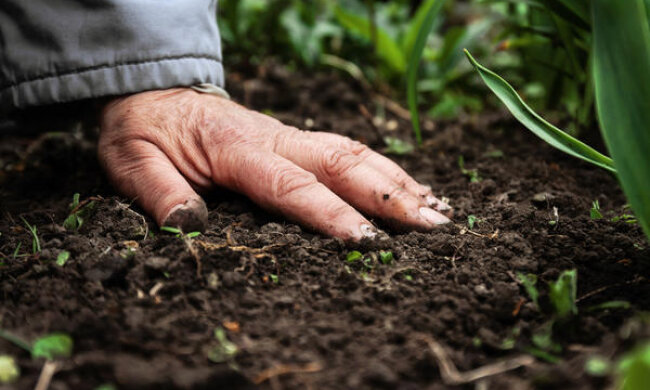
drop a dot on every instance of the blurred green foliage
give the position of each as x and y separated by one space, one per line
543 47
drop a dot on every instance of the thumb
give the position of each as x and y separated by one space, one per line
141 171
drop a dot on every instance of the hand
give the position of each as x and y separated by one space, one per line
160 147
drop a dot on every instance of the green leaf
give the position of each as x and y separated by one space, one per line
471 221
597 366
386 257
62 258
529 281
193 234
387 48
621 49
9 370
414 63
353 256
225 350
634 369
52 346
397 146
170 229
595 213
563 293
611 305
533 122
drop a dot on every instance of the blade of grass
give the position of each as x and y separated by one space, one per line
414 63
621 48
533 122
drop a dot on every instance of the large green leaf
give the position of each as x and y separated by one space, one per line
621 49
387 49
414 63
544 130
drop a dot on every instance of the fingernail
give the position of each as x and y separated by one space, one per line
433 217
368 230
191 216
437 204
431 200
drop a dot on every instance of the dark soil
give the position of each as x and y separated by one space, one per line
144 319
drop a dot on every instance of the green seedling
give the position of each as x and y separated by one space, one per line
595 213
397 146
179 233
62 258
472 174
17 250
36 243
79 212
274 278
634 369
353 256
106 386
529 281
562 294
225 350
50 347
386 257
598 366
9 370
473 220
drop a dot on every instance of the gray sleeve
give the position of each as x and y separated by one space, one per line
55 51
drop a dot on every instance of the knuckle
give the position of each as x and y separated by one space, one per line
355 147
337 162
286 182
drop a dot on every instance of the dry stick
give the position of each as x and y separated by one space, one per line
283 369
451 376
48 371
637 280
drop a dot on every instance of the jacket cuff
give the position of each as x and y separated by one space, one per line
116 79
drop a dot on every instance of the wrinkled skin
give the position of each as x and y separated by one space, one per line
162 147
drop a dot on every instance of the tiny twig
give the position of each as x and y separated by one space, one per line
450 374
48 371
637 280
284 369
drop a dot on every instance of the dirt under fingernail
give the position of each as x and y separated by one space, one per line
190 217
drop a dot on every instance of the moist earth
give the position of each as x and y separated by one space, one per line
142 305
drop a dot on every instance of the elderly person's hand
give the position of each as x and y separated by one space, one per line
160 147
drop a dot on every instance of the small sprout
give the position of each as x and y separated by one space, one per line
353 256
386 257
17 250
9 370
225 350
473 220
62 258
408 277
595 213
555 217
563 293
597 366
52 346
634 369
79 212
627 218
179 233
274 278
472 174
529 281
543 339
170 229
623 305
36 243
477 342
397 146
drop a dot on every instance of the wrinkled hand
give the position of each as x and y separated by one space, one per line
160 147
